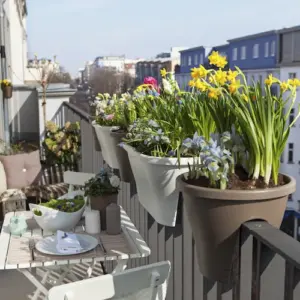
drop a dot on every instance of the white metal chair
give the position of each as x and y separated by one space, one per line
143 283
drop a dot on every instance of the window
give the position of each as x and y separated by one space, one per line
182 60
189 60
292 116
273 48
196 59
292 75
243 52
234 54
201 58
266 49
256 51
291 153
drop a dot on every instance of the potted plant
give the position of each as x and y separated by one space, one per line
60 214
62 144
153 145
102 190
235 177
114 115
7 88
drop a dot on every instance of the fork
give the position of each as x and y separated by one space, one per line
31 248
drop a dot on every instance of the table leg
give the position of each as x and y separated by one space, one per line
39 285
121 266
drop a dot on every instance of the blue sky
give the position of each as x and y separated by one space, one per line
80 30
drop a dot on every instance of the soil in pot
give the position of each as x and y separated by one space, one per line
100 203
216 216
240 181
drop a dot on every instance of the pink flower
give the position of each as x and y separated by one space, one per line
150 80
109 117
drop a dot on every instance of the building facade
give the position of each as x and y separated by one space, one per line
190 58
256 55
13 14
151 67
116 63
289 63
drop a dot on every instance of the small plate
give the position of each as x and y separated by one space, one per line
48 245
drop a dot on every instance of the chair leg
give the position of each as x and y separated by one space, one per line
103 268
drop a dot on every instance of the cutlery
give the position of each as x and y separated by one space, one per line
31 248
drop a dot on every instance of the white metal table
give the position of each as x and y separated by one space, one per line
15 253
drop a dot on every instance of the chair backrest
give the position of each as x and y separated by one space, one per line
76 178
143 283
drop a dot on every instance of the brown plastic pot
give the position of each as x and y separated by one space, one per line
7 92
100 203
122 157
216 215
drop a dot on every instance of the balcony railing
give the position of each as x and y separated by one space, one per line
268 262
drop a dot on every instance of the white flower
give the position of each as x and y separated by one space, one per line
167 86
114 181
101 105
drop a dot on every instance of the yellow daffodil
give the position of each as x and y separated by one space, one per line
195 73
284 86
294 82
231 75
221 77
233 87
163 72
200 85
192 83
212 79
245 97
270 80
216 59
200 72
214 93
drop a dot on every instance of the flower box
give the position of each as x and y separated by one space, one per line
155 179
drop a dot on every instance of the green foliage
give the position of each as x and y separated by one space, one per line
104 183
63 205
62 145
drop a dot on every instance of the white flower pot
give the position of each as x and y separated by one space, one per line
155 179
107 144
53 220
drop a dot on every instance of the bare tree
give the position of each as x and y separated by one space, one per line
105 81
64 77
128 82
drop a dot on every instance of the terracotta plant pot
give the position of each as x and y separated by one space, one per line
122 157
100 203
216 215
7 91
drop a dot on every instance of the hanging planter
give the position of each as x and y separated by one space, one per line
155 179
7 89
216 215
107 144
122 156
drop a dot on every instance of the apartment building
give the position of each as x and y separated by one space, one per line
116 63
256 55
13 14
151 67
289 63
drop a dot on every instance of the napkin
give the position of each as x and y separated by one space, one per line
67 243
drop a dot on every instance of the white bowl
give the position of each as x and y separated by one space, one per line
52 220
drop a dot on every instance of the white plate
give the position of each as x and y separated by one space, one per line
48 244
